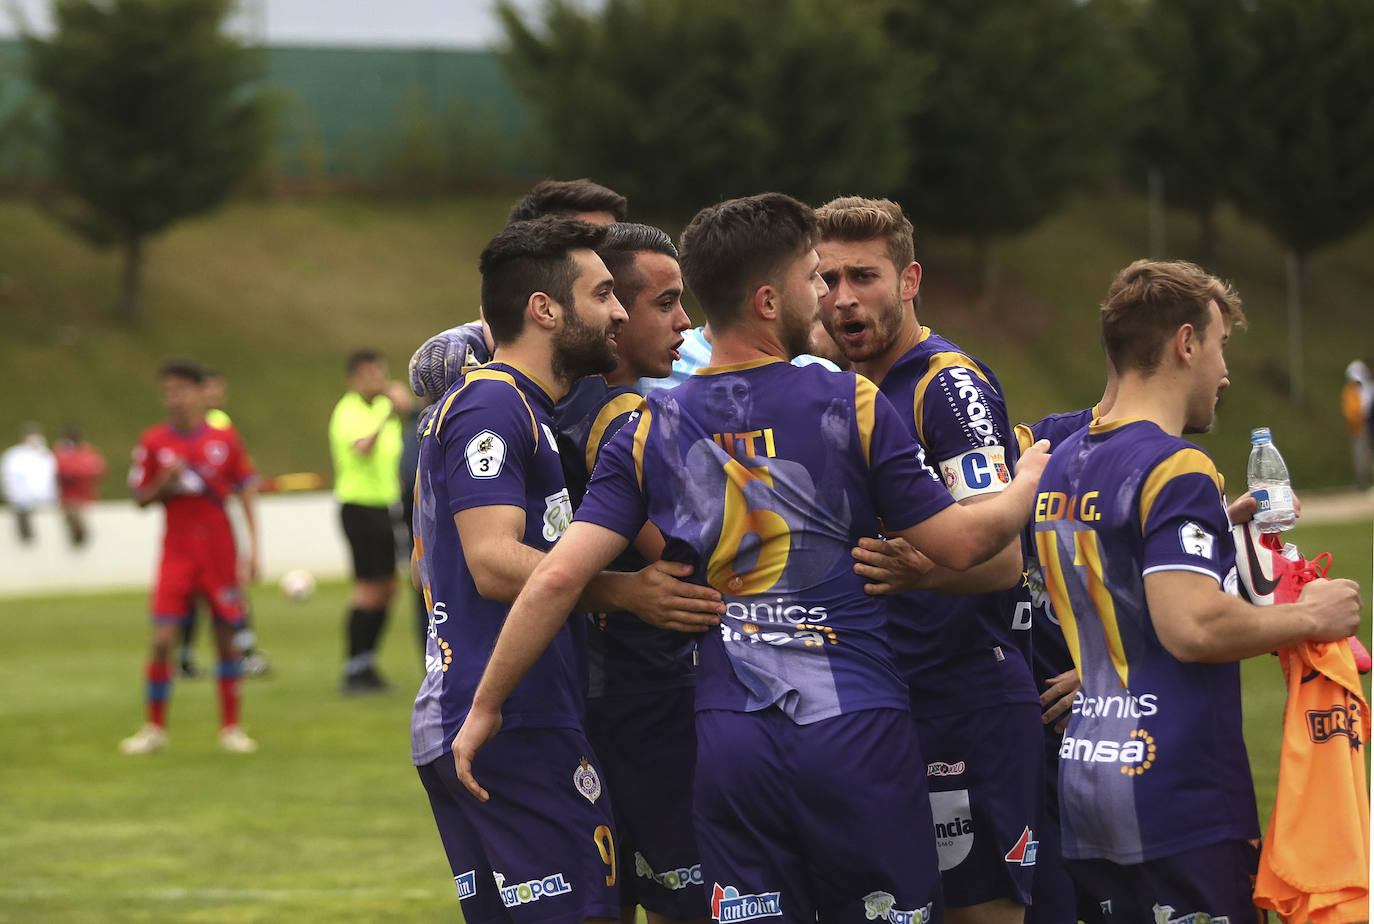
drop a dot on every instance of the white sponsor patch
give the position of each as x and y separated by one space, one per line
486 453
978 471
558 515
548 435
1196 540
953 827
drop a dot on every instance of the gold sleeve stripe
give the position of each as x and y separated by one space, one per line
1024 437
865 397
1187 461
938 363
1088 553
482 374
1047 545
641 436
620 404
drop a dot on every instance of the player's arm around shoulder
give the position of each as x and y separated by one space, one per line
1198 621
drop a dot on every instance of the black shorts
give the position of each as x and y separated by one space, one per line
371 539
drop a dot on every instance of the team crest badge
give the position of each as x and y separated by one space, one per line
216 451
951 477
586 780
1002 474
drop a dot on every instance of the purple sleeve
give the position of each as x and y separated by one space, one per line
905 489
1186 528
488 438
961 411
614 498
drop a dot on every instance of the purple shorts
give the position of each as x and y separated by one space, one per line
1055 897
648 747
543 848
799 823
983 770
1216 881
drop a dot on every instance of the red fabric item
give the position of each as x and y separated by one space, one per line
80 467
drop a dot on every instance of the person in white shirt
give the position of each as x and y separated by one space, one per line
28 471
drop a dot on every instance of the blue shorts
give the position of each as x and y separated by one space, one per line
1055 897
799 823
648 747
1216 881
984 769
543 848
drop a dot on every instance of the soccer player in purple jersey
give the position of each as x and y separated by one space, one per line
642 679
490 500
962 651
1156 799
762 476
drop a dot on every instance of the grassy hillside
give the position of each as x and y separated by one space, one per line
278 292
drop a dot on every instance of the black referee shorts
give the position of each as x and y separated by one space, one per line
371 539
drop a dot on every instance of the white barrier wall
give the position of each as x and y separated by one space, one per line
121 552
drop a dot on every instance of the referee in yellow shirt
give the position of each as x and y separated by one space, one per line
365 444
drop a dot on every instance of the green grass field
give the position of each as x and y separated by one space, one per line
327 822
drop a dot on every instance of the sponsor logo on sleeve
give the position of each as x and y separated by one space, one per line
729 906
1196 540
524 893
467 884
485 453
953 827
978 471
881 906
586 781
1023 854
558 515
975 410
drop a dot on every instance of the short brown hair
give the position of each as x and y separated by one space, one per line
1150 300
528 257
565 198
854 218
732 248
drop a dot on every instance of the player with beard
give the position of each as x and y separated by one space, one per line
491 500
642 679
804 805
965 661
1135 546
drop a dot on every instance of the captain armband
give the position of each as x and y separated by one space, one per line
978 471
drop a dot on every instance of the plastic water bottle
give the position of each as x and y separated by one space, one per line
1267 478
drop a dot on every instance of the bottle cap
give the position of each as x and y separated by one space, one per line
1260 435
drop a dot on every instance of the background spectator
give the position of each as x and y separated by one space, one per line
80 467
28 472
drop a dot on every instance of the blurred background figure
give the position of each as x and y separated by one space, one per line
28 472
80 466
365 444
1357 405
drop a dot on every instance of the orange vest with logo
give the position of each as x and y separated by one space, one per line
1314 865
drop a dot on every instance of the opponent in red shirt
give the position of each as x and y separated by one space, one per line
192 469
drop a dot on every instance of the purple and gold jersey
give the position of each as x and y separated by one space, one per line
625 655
490 443
763 476
1153 762
1049 652
958 652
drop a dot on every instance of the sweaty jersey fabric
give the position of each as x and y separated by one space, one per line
489 443
1314 865
763 476
625 655
216 465
372 479
1153 762
958 652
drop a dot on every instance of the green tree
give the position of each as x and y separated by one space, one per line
679 103
1307 170
1029 100
156 117
1199 61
